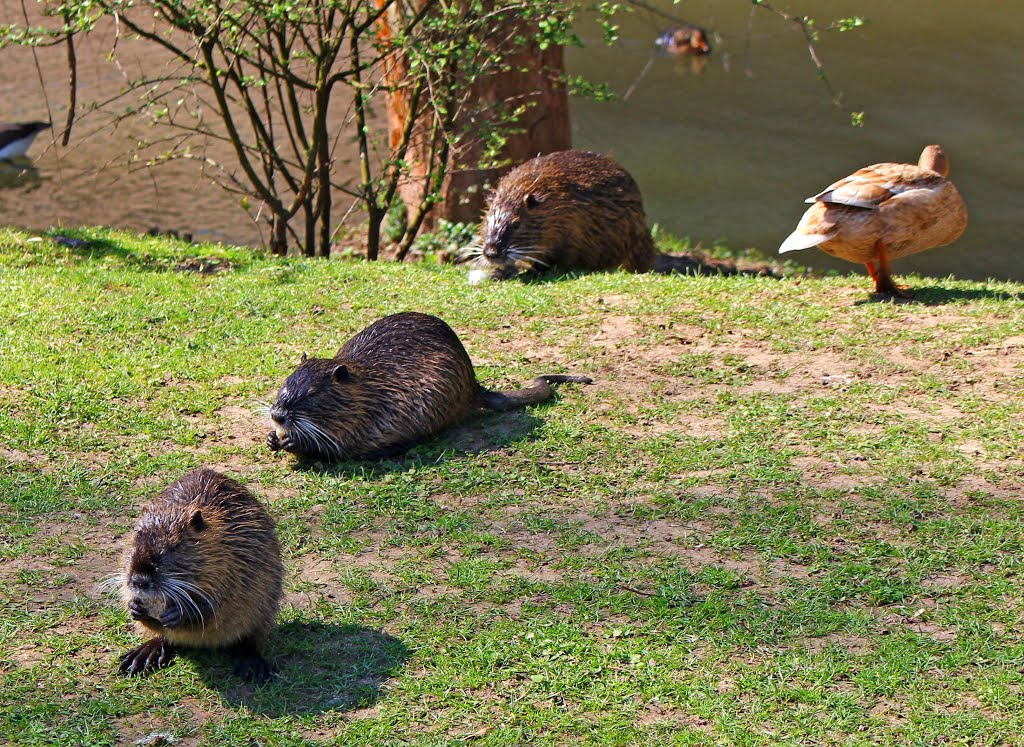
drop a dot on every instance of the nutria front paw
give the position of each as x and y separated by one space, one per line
138 610
154 654
277 443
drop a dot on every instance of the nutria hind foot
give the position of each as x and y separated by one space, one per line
250 664
156 653
540 391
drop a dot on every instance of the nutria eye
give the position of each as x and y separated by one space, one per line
145 569
311 391
531 201
197 522
340 373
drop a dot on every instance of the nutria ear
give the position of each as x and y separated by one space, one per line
303 357
196 521
530 201
340 373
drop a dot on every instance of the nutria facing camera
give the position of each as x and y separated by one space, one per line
399 381
202 569
570 210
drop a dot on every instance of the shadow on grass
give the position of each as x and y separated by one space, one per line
680 263
321 667
938 296
480 434
87 247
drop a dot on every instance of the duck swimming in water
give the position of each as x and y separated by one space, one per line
688 40
884 212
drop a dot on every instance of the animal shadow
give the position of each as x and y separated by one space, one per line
939 296
483 432
321 667
683 263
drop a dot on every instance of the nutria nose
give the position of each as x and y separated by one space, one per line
278 414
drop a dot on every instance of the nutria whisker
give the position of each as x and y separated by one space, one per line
399 381
530 256
111 584
470 250
183 591
177 596
318 431
261 408
320 442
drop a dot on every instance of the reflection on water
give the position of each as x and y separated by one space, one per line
19 174
726 156
725 147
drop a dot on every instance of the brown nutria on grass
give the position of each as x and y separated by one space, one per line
399 381
570 210
202 569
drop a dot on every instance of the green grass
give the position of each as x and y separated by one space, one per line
782 515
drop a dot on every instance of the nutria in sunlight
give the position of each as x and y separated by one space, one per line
570 210
399 381
884 212
685 40
202 569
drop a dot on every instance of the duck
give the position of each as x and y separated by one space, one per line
16 138
688 40
884 212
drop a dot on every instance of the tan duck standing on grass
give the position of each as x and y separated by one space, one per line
884 212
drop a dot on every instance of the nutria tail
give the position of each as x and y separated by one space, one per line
540 391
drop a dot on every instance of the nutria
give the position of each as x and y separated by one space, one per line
570 210
574 210
400 380
202 569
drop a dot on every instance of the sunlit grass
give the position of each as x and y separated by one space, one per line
782 514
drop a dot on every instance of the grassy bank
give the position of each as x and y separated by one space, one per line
782 514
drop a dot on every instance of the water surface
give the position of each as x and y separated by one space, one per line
726 154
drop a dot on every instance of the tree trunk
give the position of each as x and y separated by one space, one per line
534 79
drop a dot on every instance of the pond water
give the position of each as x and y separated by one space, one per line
725 153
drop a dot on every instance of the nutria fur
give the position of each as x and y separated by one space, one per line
399 381
576 210
202 569
570 210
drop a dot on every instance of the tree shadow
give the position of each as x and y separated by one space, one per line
85 247
481 433
321 667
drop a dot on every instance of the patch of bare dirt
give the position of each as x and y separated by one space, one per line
15 456
852 644
203 265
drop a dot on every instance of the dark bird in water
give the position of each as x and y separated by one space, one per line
688 40
16 138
